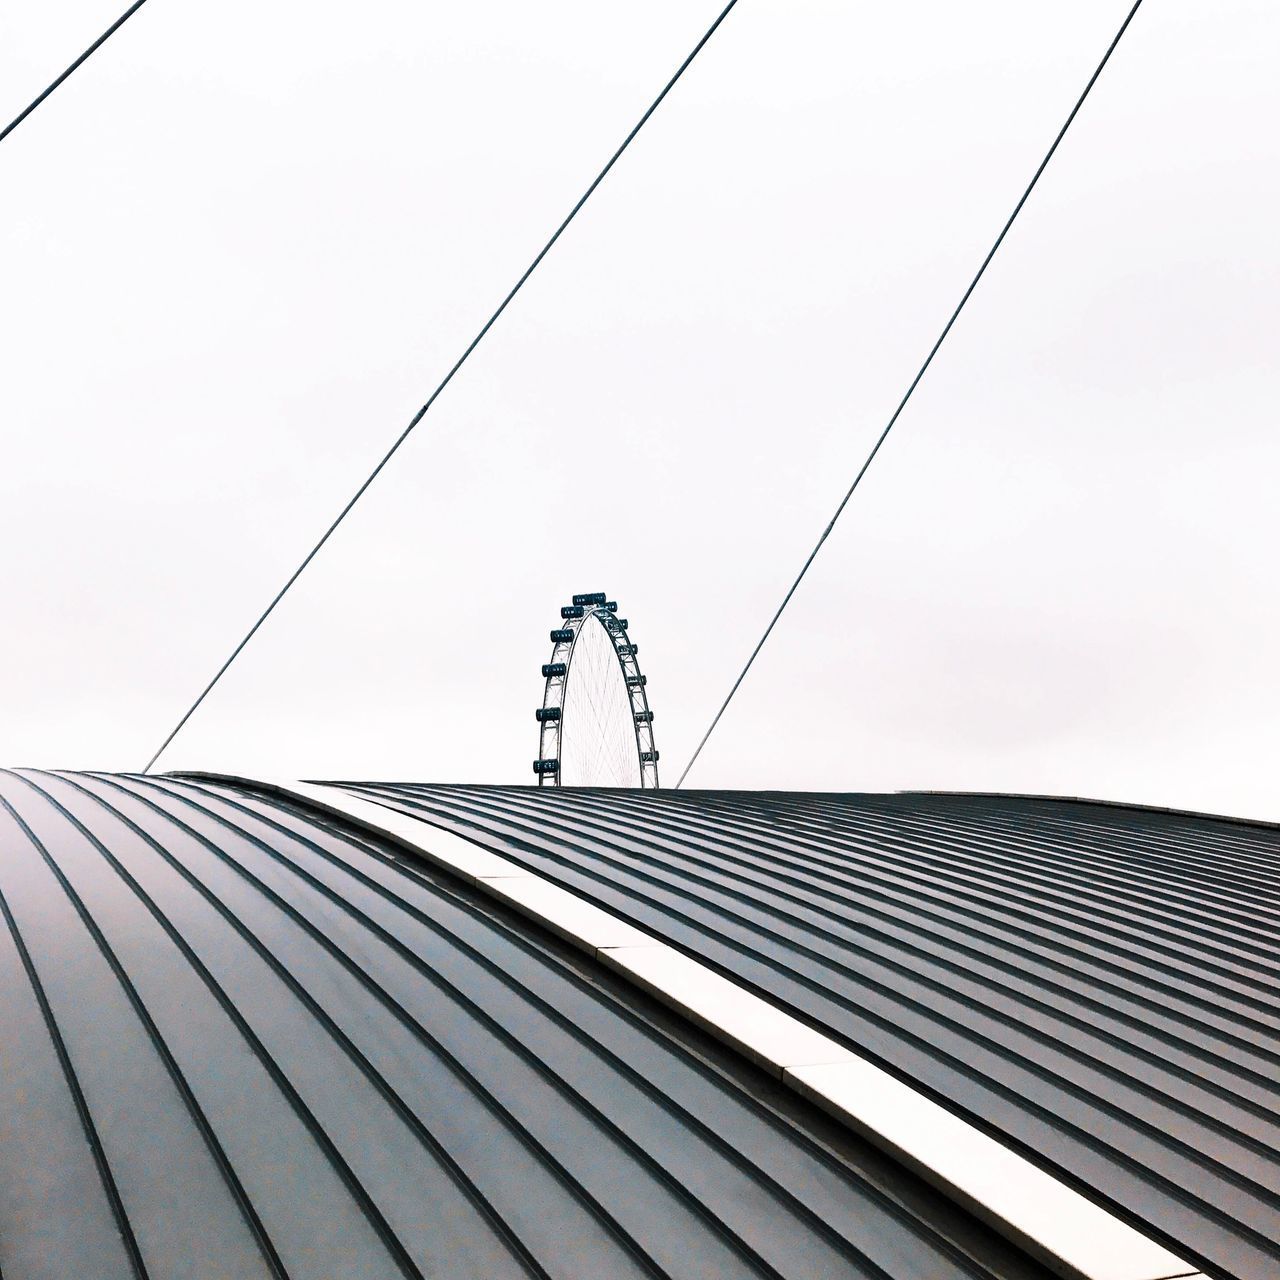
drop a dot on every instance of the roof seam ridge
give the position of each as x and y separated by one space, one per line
1040 1214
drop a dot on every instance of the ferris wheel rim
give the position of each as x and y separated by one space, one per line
556 683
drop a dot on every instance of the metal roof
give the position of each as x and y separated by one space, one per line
1097 985
240 1038
1027 1205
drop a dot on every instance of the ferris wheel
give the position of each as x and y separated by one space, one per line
595 723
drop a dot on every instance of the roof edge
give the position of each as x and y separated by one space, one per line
1263 823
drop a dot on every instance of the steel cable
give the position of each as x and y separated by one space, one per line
902 404
417 417
93 48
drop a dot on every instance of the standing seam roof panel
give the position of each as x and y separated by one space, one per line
1186 1145
347 1066
1082 996
757 922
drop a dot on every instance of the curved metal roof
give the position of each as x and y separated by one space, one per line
239 1038
1095 984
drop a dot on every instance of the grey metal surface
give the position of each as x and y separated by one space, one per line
1096 985
1027 1205
242 1039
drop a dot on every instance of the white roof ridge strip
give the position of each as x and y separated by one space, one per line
1048 1219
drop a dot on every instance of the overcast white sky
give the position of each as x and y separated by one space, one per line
239 248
